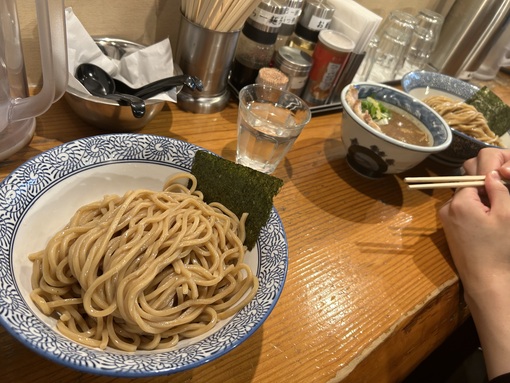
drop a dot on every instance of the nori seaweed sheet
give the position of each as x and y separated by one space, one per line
495 111
239 188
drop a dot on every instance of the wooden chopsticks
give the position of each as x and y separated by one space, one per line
219 15
445 182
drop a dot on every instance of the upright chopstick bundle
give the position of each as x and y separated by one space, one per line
219 15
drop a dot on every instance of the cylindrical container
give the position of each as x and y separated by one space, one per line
432 22
296 64
293 10
207 54
316 16
365 67
272 77
329 58
255 48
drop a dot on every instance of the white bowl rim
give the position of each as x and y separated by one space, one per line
418 148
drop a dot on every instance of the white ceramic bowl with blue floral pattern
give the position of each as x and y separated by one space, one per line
422 84
39 198
373 153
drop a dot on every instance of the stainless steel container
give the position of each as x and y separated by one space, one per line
470 29
208 55
296 64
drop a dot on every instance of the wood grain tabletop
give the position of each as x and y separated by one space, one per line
371 289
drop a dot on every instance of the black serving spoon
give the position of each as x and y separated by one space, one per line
163 85
149 90
99 83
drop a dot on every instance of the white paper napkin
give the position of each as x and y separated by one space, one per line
136 69
355 21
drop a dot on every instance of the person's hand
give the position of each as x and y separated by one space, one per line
489 159
476 222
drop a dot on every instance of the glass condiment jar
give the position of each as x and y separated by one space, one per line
255 47
317 16
293 11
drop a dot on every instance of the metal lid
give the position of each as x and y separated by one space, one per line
267 17
293 59
293 10
316 15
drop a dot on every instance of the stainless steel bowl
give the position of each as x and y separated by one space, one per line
107 114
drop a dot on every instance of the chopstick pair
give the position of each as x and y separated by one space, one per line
445 182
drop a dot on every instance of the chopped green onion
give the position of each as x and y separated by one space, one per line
377 111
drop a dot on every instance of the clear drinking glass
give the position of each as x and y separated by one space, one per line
269 122
395 37
419 51
432 22
366 65
423 40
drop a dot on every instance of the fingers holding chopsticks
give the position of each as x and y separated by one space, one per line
489 159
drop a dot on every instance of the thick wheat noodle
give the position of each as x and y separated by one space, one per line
144 270
463 118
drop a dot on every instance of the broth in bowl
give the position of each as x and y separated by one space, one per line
404 127
390 120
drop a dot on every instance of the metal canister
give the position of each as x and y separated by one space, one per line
296 64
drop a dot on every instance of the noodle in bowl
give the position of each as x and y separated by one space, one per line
40 197
144 270
423 85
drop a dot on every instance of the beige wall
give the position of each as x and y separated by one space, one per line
149 21
383 7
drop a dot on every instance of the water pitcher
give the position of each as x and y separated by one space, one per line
17 108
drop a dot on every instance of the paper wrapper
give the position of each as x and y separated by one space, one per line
139 68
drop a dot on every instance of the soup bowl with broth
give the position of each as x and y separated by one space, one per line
413 132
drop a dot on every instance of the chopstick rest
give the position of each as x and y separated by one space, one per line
446 182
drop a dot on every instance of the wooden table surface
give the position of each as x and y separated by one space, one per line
371 289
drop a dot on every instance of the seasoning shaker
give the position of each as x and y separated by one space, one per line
329 58
255 47
296 65
294 8
317 16
272 77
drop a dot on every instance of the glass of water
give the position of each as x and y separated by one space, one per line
269 121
